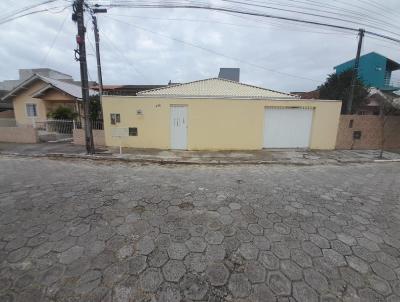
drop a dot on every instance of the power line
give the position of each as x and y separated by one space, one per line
277 25
123 55
54 40
308 14
34 12
257 14
215 52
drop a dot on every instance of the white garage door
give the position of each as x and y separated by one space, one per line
287 127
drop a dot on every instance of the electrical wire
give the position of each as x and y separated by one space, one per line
215 52
54 40
121 53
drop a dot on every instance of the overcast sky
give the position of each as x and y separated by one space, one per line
135 48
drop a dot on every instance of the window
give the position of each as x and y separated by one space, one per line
351 123
115 118
357 135
133 131
31 110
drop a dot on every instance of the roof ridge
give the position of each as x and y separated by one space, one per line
209 79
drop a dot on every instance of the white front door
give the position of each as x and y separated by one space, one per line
287 127
179 127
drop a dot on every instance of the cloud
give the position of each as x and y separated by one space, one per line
265 49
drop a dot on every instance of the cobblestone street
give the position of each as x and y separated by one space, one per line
88 231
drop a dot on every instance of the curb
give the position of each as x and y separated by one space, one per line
191 162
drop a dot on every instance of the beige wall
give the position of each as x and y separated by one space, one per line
46 104
213 124
371 132
79 137
25 97
18 135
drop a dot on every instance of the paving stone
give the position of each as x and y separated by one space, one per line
279 284
137 264
169 293
255 229
248 251
334 257
196 244
196 262
261 243
215 237
358 264
158 258
383 271
71 254
301 258
262 293
145 245
281 250
215 253
364 254
269 260
352 277
18 255
341 247
180 235
193 287
150 279
368 295
320 241
177 251
291 270
239 286
52 275
311 249
254 271
387 259
316 280
88 282
217 274
379 285
173 270
304 293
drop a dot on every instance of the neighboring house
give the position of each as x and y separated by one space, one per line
307 94
374 70
376 100
218 114
37 96
125 89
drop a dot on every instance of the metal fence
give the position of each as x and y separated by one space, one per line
96 125
55 126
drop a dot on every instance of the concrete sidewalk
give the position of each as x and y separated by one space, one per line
299 157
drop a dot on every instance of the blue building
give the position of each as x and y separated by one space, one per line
375 70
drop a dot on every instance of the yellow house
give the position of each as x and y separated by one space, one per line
218 114
37 96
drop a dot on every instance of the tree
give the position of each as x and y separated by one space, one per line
95 108
337 87
63 113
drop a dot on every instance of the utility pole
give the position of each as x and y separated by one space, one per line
349 106
97 40
78 17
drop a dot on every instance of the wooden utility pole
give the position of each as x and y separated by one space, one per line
78 17
349 106
97 40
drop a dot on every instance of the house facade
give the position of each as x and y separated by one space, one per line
374 70
218 114
37 96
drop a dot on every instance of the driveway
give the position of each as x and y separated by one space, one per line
87 231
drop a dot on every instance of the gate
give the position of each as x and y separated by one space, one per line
54 130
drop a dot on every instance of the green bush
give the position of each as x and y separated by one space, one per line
62 113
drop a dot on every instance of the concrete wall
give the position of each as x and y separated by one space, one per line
8 114
213 124
7 122
18 135
371 132
79 137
